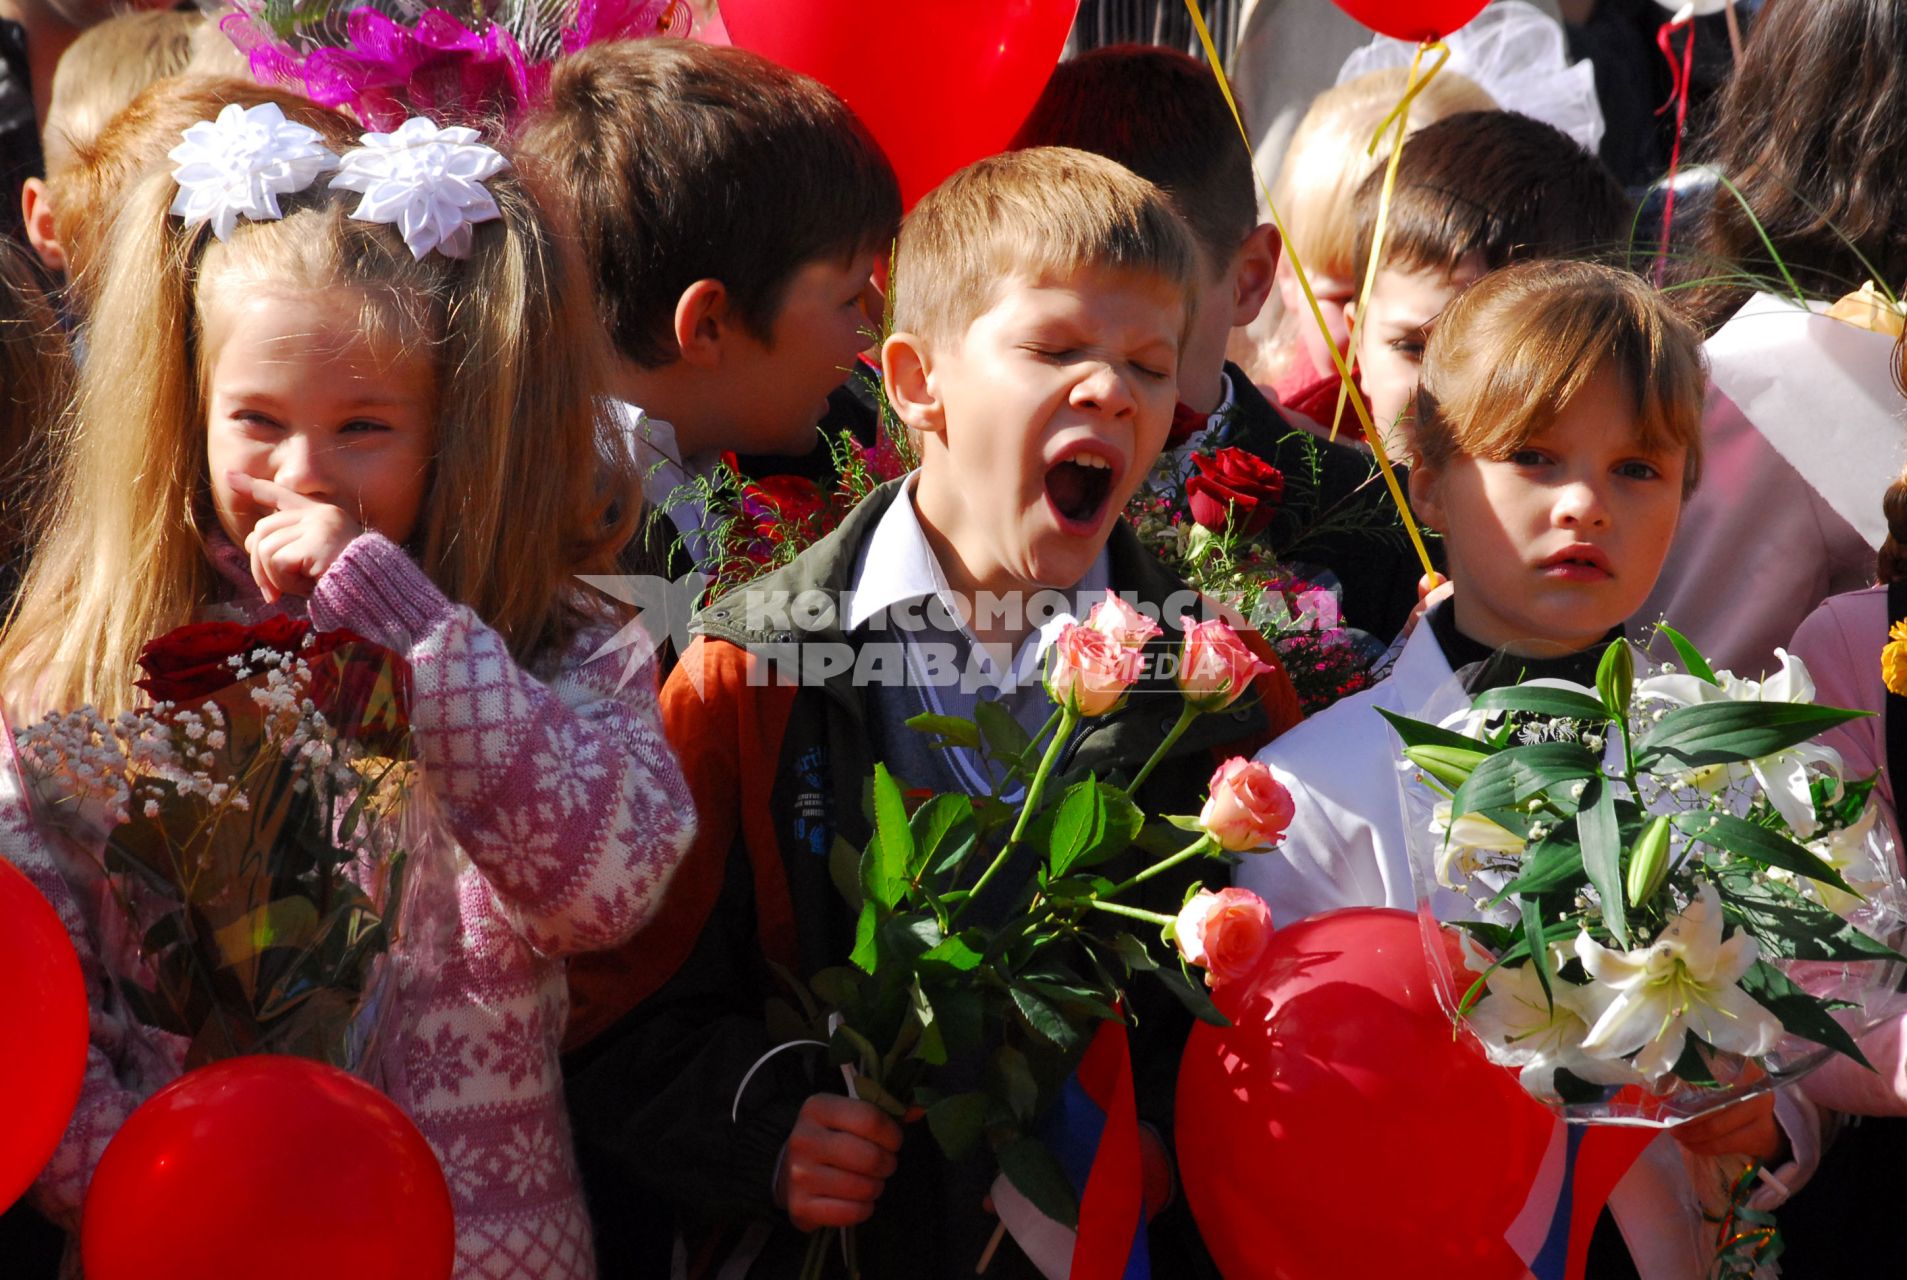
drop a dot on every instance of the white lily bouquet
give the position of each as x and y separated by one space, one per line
1676 886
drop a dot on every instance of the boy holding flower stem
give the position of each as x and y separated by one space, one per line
1041 302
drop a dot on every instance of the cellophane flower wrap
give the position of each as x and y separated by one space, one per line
247 846
991 941
1672 894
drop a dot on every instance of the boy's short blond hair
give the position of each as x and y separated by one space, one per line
1510 353
1328 157
105 69
1044 213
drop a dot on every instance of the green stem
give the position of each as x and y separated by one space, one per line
1031 805
814 1266
1187 714
1204 844
1133 913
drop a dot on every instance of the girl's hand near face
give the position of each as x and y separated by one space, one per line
298 539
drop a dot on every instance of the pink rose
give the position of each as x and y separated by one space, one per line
1121 623
1248 808
1215 667
1089 671
1223 933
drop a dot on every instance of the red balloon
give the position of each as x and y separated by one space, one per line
1413 20
268 1166
1339 1128
938 83
43 1008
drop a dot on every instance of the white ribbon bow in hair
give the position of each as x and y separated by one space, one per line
425 179
241 163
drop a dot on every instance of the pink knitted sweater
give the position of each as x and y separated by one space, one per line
568 813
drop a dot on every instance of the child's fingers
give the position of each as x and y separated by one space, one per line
288 555
269 524
268 493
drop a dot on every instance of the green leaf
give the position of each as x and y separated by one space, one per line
1616 679
958 1122
1192 995
891 852
1757 844
1691 1068
1691 657
1789 926
1004 736
1419 733
959 1011
1092 823
866 930
1532 932
1542 700
951 729
1552 864
1014 1083
957 954
1511 777
1079 819
1732 732
1137 958
1037 1175
944 834
1045 1020
1800 1013
1601 836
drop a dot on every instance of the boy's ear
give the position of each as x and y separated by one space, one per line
701 322
1253 273
906 369
37 212
1426 495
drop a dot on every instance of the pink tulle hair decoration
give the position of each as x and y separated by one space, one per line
385 69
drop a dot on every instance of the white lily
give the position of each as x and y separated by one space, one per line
1846 851
1467 842
1686 980
1784 776
1520 1027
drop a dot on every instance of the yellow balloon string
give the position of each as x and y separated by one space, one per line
1358 406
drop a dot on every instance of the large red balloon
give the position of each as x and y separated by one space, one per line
1413 20
43 1014
1339 1129
939 83
268 1166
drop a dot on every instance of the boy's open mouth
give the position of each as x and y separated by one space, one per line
1078 487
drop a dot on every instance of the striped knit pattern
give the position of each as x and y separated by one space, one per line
568 813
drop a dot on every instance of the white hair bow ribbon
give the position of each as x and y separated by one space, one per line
426 180
241 163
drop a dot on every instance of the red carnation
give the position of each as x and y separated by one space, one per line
1236 488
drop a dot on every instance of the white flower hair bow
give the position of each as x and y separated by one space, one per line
427 180
241 163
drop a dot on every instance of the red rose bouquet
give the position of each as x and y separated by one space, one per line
240 843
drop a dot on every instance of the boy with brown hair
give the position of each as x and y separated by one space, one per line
98 75
734 309
1474 192
1042 300
1559 435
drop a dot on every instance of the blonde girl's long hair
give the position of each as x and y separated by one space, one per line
530 484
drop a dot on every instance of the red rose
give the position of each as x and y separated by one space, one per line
1236 488
194 661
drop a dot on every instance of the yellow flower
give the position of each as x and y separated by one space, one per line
1894 660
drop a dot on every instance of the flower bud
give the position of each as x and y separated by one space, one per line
1089 671
1648 861
1223 933
1215 666
1451 766
1248 807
